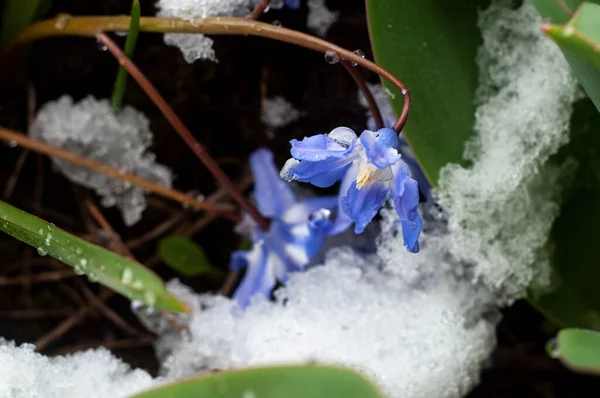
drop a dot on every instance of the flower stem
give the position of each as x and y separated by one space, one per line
66 25
130 42
259 9
40 147
366 92
199 150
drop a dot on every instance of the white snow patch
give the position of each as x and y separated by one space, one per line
320 18
501 208
197 46
414 341
90 129
92 374
277 112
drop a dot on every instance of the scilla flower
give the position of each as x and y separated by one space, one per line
276 4
370 169
296 233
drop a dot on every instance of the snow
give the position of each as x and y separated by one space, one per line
198 46
277 112
320 18
90 129
92 374
502 207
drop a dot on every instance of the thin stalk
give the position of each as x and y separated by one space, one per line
130 43
66 25
40 147
366 92
199 150
259 9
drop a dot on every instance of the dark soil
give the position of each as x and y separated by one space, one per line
220 103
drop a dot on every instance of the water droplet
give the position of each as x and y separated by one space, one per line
83 262
150 298
137 284
127 276
101 45
41 231
360 53
331 57
12 143
249 394
41 251
62 21
267 8
404 91
568 31
276 23
79 250
198 21
92 276
552 348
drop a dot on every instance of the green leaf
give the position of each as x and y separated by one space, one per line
16 15
581 35
578 349
311 381
185 256
576 300
122 275
431 46
130 42
586 72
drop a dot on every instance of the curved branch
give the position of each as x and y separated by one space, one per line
65 25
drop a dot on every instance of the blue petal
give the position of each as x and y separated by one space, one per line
342 221
381 150
292 3
317 147
273 195
362 205
238 260
415 169
259 278
323 173
301 212
406 201
410 232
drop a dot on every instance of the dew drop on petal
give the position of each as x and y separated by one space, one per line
41 251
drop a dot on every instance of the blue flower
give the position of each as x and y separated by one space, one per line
370 169
297 231
277 4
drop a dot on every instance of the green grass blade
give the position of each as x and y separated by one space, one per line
130 42
122 275
577 349
310 381
16 15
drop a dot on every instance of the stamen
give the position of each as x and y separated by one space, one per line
367 175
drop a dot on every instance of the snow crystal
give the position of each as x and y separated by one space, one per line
93 373
414 341
502 207
383 103
197 46
277 112
90 129
320 18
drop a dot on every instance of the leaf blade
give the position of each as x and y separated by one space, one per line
185 256
312 381
122 275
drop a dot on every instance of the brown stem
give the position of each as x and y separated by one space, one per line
259 9
564 7
366 92
66 25
40 147
198 149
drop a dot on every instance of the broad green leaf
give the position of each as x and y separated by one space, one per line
185 256
122 275
586 72
576 301
431 46
16 15
309 381
130 42
581 35
578 349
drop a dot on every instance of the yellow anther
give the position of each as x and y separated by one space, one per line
367 175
